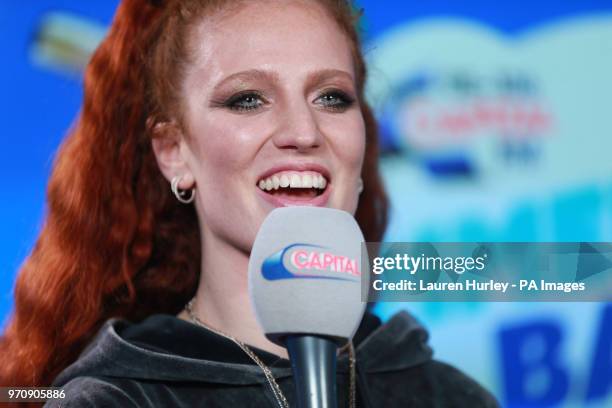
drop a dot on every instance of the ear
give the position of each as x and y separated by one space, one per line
170 150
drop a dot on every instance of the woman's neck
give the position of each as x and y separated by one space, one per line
222 299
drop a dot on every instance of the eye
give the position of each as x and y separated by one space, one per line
335 100
245 101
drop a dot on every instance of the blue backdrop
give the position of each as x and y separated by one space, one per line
495 122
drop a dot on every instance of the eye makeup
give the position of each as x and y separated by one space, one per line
335 100
244 101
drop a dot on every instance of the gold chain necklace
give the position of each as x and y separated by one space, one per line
276 390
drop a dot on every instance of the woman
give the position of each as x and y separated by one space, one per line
199 118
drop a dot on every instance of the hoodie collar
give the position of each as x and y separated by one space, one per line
399 344
120 350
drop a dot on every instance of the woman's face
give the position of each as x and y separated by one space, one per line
271 116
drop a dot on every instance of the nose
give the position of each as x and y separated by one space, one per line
299 129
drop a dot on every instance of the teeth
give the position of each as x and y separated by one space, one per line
284 181
306 181
295 182
293 179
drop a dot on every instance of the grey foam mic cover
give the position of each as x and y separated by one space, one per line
305 273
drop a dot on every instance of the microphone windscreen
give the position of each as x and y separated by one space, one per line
305 273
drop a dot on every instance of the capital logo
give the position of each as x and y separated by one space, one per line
489 102
307 261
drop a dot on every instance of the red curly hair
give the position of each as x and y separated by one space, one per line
115 242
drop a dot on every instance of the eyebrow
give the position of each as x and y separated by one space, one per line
325 74
258 74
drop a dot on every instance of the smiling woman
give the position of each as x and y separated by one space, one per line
199 118
251 116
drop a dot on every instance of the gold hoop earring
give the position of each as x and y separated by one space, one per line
181 195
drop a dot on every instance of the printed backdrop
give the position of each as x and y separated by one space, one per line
495 122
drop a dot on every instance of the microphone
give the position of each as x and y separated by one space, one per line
305 285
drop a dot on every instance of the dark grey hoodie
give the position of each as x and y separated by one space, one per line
164 361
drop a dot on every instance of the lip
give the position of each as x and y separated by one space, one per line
318 201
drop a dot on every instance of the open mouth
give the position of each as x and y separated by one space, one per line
294 185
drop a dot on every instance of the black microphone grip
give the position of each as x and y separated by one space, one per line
313 361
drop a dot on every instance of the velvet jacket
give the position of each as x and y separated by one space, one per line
164 361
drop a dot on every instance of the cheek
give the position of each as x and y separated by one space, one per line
348 141
221 158
218 146
223 148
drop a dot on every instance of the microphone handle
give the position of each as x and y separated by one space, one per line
313 361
